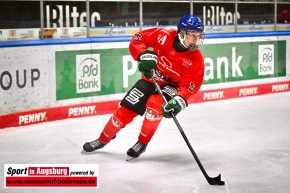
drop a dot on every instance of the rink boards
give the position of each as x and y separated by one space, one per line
52 80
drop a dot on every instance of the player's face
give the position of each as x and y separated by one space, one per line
192 38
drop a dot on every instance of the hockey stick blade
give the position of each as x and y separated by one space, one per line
212 181
216 181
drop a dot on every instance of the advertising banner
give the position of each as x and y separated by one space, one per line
230 62
86 73
51 176
96 72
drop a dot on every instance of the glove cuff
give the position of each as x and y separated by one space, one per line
148 55
181 101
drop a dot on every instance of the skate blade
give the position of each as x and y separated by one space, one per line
130 158
86 152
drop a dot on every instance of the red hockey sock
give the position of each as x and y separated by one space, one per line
119 120
148 129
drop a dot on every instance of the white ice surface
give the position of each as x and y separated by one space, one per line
246 140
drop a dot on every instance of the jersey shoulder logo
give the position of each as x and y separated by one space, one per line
137 37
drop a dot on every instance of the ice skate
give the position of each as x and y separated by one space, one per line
94 145
136 151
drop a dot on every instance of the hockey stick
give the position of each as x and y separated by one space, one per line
211 181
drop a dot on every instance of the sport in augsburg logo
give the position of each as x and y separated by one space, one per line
88 73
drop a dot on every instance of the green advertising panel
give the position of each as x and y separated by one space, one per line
243 61
84 73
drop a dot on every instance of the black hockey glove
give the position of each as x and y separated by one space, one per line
147 62
175 105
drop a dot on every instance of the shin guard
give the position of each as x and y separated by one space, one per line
153 117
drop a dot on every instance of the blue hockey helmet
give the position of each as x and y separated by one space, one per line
191 23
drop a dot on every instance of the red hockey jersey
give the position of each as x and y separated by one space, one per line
182 69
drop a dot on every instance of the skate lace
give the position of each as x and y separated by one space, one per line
137 146
95 143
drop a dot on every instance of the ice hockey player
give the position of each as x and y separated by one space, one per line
179 67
